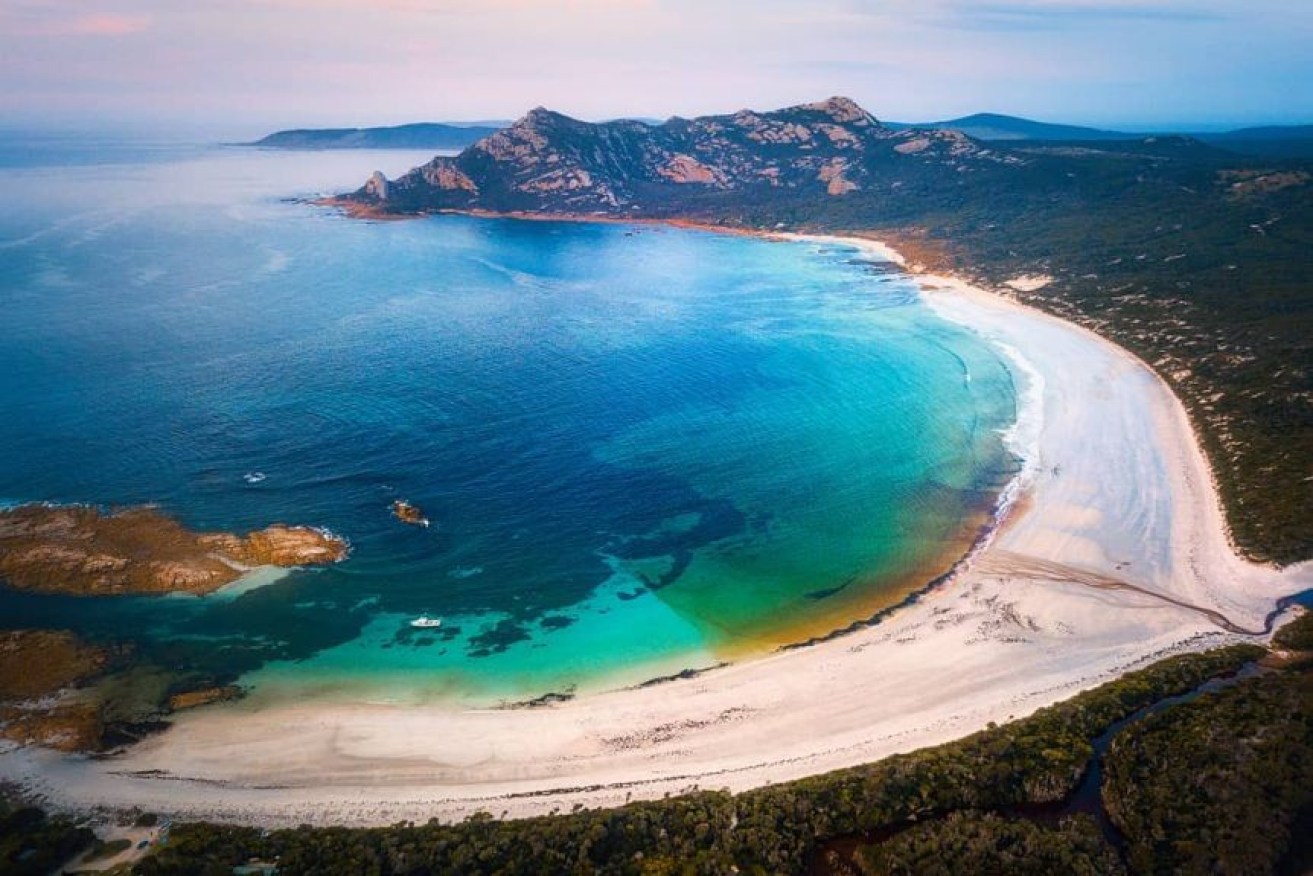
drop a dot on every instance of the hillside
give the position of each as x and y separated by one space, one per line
1286 141
992 126
424 135
1193 257
1273 141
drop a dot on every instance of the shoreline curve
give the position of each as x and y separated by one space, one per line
1120 490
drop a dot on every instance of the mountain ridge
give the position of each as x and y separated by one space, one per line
547 161
1267 140
1276 141
997 126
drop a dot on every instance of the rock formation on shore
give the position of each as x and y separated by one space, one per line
77 550
39 670
59 691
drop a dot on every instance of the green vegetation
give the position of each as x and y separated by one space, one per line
1218 785
779 829
1296 635
102 850
970 842
34 844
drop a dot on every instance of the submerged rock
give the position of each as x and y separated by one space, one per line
35 663
204 697
408 513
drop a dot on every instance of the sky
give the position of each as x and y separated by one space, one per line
250 66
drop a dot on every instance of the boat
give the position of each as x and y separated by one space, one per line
424 622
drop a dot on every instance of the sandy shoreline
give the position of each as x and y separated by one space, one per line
1118 511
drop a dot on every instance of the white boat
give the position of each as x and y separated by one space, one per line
425 622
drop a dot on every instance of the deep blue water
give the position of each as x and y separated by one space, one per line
642 449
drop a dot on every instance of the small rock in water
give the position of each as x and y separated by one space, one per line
408 513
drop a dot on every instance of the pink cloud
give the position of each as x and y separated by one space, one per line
37 22
107 25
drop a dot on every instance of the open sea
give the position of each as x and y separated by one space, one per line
642 449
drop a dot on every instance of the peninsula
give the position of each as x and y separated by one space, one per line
421 135
81 551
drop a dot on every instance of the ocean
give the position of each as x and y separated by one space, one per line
642 449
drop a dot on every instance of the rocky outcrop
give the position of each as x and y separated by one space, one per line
36 663
550 163
39 703
205 696
77 550
377 187
408 513
278 545
58 691
63 726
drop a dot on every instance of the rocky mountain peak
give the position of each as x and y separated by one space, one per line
843 110
549 162
539 117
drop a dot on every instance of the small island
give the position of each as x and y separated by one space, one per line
79 550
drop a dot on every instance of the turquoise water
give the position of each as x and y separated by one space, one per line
642 449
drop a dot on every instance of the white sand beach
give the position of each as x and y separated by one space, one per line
1117 493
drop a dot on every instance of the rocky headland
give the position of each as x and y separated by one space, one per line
421 135
79 550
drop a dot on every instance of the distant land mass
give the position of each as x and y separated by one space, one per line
992 126
1292 141
422 135
1276 140
1281 141
1192 256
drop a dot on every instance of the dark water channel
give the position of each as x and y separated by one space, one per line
1087 799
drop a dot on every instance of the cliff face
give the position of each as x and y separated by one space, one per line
547 162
